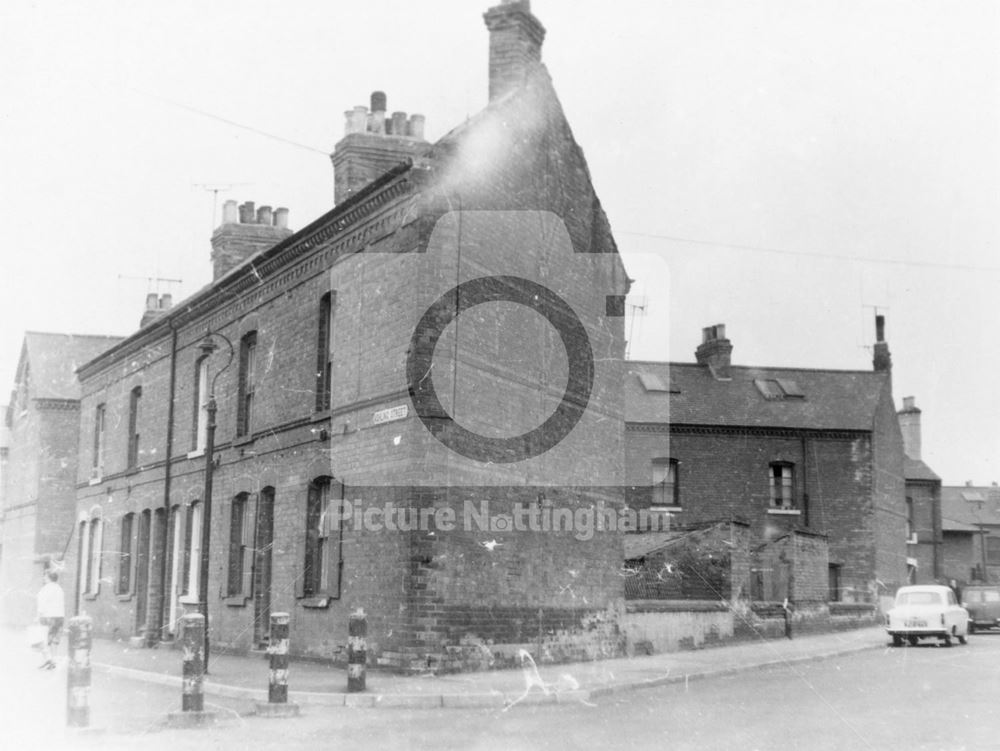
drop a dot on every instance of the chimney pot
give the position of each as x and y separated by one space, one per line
230 212
415 127
398 121
166 301
281 218
247 213
264 215
151 301
378 101
879 328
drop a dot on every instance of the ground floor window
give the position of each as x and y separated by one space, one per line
324 537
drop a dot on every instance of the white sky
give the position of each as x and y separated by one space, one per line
860 137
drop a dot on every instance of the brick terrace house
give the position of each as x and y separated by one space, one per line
781 448
317 413
971 523
39 464
924 534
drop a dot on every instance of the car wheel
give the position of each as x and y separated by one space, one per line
897 641
961 639
972 627
914 640
946 640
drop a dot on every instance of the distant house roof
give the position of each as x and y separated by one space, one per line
755 397
52 360
915 469
968 506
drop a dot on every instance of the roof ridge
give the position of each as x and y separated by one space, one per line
758 367
35 332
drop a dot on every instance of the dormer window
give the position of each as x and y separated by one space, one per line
779 389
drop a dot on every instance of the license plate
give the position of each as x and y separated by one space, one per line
916 623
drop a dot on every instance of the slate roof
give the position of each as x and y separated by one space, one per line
964 507
915 469
832 399
52 360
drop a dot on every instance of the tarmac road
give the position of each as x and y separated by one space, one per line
909 699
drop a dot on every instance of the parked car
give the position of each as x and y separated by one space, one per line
983 604
927 611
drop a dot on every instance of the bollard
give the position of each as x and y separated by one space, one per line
193 669
192 675
78 675
357 630
277 688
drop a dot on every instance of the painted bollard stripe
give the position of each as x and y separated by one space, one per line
277 649
357 651
78 673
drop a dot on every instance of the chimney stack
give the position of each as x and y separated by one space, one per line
715 351
245 232
909 425
516 38
156 307
372 145
881 360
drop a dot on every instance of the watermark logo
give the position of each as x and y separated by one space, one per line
491 518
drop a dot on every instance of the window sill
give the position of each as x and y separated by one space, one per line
243 440
666 509
95 480
235 601
91 595
188 600
321 416
195 454
316 602
132 471
125 597
785 511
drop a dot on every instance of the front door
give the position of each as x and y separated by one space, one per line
263 542
142 573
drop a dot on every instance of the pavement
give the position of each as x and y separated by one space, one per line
316 683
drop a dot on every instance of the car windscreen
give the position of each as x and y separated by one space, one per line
918 598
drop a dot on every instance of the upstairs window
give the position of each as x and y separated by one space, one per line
97 467
324 538
782 481
240 568
666 490
125 554
247 384
324 353
135 400
199 428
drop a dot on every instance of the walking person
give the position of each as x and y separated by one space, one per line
51 613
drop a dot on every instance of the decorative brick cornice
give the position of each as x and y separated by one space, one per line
745 430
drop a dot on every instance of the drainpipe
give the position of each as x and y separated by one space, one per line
166 481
